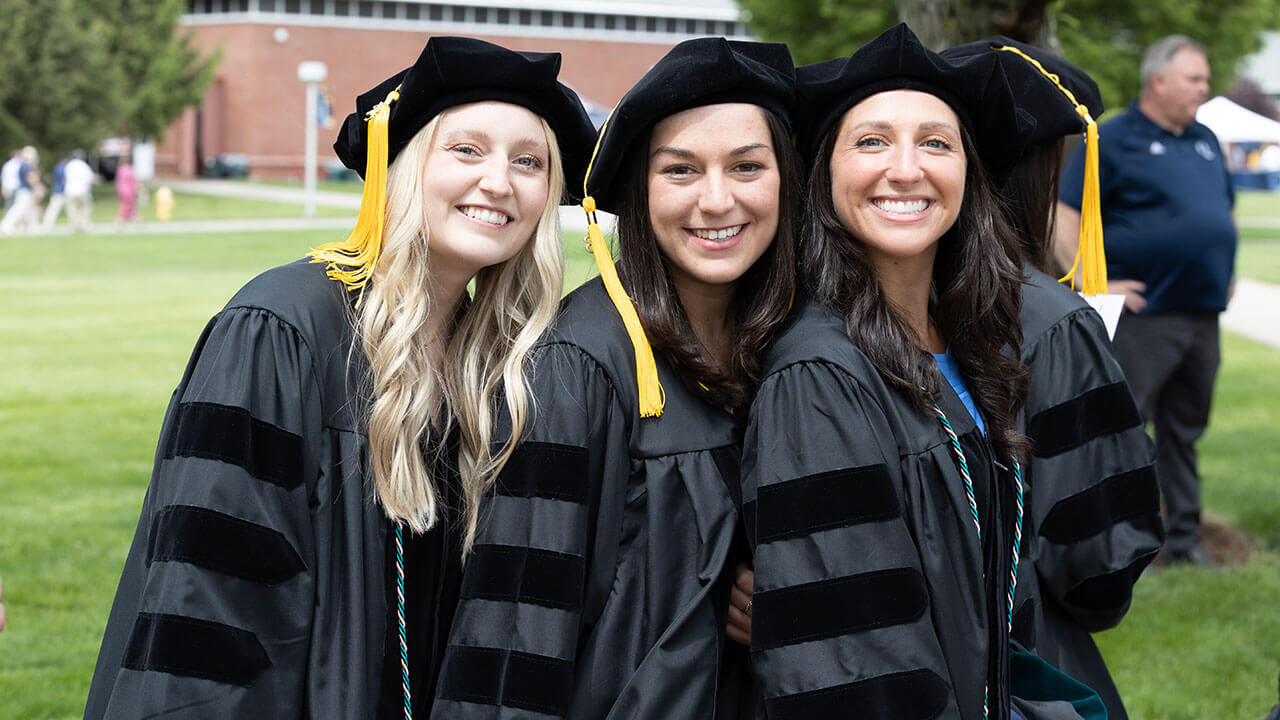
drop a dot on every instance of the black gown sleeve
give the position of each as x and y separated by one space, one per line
841 621
213 614
526 587
1095 503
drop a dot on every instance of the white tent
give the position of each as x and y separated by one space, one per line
1232 123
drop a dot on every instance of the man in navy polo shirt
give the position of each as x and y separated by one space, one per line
1171 242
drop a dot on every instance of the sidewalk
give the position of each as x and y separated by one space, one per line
1255 312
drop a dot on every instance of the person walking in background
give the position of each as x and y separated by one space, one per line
24 210
127 193
9 177
78 190
57 195
1171 241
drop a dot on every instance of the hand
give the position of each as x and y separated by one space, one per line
739 626
1132 291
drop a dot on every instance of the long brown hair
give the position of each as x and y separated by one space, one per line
975 300
762 297
1029 193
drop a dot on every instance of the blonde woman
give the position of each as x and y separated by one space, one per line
317 476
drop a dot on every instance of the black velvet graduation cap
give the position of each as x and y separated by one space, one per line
450 71
1051 112
457 70
702 71
975 87
1058 99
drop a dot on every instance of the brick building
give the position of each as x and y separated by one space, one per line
255 107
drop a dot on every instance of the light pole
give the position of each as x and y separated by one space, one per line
311 72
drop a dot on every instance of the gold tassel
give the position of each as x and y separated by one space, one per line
651 395
1091 256
351 261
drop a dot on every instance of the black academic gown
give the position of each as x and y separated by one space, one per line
1093 509
873 596
260 583
597 589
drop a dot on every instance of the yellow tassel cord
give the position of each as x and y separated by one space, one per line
351 261
651 395
1091 257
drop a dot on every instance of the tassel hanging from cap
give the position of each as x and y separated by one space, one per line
1091 259
651 395
351 261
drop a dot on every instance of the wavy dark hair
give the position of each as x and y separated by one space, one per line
1028 194
975 299
761 300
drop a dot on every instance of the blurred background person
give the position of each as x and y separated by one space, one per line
78 190
127 192
9 177
24 210
1170 231
57 195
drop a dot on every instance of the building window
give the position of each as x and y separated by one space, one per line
317 7
435 12
293 6
458 13
365 8
482 14
389 10
526 17
504 16
267 5
342 8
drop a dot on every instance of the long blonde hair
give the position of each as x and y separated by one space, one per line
485 355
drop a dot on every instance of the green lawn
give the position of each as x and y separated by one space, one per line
95 334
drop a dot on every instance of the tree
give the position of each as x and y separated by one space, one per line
1104 37
58 87
164 72
1248 94
76 71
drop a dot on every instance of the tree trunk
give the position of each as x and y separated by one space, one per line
942 23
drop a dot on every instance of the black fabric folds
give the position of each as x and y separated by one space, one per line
232 435
914 695
195 648
222 543
1100 411
525 575
546 470
1118 498
827 500
508 679
835 607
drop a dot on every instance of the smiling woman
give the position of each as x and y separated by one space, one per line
318 476
882 484
597 587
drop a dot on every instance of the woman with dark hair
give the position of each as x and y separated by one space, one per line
599 583
319 471
1093 505
882 463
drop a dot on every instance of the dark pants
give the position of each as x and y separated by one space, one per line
1171 360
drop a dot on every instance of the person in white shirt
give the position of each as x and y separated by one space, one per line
77 193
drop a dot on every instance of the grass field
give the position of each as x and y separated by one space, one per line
95 334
